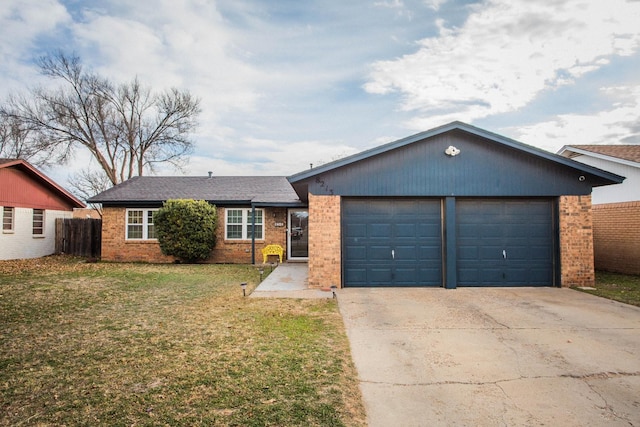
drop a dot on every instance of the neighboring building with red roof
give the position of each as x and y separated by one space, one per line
30 202
616 208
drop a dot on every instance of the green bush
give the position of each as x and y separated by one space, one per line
186 229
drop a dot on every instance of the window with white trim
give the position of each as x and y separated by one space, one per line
140 225
7 219
38 222
239 224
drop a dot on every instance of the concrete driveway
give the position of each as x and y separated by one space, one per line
494 357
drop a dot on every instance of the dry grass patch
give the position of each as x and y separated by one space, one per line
619 287
127 344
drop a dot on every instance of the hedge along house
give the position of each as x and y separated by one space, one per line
453 206
252 213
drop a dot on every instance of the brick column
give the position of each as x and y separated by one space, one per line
576 241
324 241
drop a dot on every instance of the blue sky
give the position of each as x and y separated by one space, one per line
287 83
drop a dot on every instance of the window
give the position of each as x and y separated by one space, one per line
239 224
140 224
38 222
7 219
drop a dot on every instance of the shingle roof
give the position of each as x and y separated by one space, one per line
625 152
267 190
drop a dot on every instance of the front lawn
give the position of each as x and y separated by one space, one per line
620 287
136 344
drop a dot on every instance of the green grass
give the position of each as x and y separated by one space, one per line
136 344
619 287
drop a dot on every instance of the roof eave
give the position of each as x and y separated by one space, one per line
581 151
142 203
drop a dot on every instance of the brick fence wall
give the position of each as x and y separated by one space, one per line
116 248
616 237
576 241
325 248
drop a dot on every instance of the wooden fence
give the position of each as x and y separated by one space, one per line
79 236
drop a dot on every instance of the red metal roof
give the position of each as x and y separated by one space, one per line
22 185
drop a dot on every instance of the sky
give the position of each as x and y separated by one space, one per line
288 83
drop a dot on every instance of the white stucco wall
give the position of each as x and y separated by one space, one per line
21 243
628 191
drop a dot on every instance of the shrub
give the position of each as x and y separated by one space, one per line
186 229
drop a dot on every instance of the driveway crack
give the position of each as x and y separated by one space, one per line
584 377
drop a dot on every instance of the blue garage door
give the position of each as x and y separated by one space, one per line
392 242
505 242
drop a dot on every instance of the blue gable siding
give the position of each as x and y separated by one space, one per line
484 167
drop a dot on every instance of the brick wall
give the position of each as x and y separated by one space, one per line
616 237
576 241
324 241
116 248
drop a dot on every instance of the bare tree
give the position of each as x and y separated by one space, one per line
17 142
87 183
126 128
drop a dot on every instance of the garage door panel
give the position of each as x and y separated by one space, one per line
403 241
430 253
429 230
357 276
405 276
468 229
488 231
523 229
542 253
467 252
405 230
479 276
405 253
378 231
356 230
380 275
539 276
379 253
356 252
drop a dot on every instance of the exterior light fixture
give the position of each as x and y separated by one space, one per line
244 288
261 273
333 290
452 151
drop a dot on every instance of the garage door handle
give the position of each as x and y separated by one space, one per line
393 254
504 254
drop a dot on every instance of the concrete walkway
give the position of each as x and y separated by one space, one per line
289 280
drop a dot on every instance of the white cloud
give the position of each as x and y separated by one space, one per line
183 44
618 125
504 55
21 23
268 157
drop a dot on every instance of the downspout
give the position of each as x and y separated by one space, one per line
253 234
